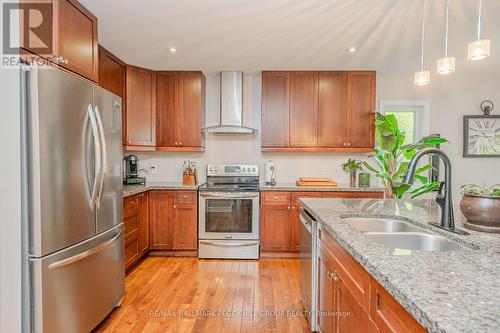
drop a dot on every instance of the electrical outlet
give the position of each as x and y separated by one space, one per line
153 169
326 170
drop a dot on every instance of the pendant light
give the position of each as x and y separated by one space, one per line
446 65
480 48
422 77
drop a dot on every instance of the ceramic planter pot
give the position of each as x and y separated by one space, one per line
482 213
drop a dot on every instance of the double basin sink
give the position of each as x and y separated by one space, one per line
398 234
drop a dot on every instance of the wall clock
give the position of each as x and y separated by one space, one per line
482 136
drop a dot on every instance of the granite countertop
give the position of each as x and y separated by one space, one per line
339 188
136 189
456 291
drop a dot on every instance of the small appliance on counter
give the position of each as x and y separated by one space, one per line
270 177
131 171
189 174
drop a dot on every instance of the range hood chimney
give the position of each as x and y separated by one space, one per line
231 106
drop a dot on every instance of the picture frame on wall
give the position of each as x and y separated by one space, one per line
481 136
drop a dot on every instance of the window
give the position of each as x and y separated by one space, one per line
412 116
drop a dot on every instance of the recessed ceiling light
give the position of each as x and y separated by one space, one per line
172 50
352 50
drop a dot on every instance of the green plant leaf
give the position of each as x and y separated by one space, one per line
422 179
403 166
423 169
369 167
400 189
424 189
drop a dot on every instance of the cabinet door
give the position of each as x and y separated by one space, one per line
332 115
355 319
275 109
167 105
360 106
303 108
326 297
185 227
141 91
112 73
161 220
275 228
143 223
77 39
191 109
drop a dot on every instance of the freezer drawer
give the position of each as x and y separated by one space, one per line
74 289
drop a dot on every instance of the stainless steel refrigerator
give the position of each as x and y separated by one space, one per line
73 189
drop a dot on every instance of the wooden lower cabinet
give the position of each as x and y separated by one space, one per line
185 226
350 300
174 220
280 218
136 221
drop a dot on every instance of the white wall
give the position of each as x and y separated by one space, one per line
450 98
244 149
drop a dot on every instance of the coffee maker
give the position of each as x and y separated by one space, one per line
131 171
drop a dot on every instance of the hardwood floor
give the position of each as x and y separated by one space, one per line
192 295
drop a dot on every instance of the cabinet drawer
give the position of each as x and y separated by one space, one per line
354 276
367 195
131 201
388 315
184 197
131 223
131 248
276 198
297 195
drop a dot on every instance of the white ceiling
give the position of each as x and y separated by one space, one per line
254 35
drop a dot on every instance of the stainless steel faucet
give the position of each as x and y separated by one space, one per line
443 199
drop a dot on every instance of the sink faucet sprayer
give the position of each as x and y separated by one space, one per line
443 199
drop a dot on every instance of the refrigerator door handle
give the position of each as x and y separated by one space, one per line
86 254
103 152
97 152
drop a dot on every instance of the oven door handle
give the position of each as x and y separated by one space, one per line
229 244
229 196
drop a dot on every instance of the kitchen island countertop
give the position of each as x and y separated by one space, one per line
456 291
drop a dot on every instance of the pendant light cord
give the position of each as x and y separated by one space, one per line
422 38
479 19
446 29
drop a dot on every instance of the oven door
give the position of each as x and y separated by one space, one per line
229 215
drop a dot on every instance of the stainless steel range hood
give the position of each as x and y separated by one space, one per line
231 106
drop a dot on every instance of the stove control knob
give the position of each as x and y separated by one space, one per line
244 169
215 169
211 169
254 169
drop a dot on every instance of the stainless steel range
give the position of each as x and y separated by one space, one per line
229 212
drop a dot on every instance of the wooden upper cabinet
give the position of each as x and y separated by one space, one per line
332 113
167 88
191 109
318 111
112 75
275 106
303 108
71 42
360 107
77 39
180 111
141 108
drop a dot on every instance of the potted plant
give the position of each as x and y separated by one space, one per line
351 167
481 207
392 159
